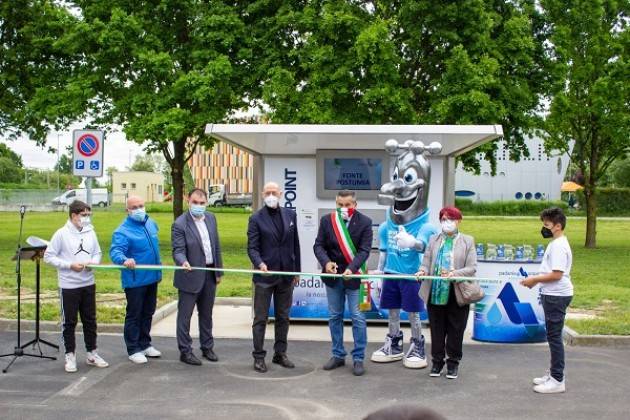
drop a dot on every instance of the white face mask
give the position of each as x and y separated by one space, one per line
271 201
449 226
85 221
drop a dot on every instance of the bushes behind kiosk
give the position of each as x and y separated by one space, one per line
506 208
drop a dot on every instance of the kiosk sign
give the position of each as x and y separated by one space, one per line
87 153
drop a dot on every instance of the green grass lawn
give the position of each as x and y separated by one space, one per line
601 276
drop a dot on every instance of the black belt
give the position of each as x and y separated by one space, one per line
209 265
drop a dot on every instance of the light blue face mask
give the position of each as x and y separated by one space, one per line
138 214
197 210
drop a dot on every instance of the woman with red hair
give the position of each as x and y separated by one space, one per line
449 254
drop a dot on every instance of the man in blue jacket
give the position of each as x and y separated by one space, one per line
135 241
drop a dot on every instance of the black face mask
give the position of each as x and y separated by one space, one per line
546 233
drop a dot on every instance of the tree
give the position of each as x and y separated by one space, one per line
621 173
160 70
29 60
64 165
143 163
590 106
408 62
5 152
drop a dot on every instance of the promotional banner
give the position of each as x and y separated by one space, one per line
509 312
309 301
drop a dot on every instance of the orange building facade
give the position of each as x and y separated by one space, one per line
224 164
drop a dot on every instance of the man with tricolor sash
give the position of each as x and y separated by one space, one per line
343 246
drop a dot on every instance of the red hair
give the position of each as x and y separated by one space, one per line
451 213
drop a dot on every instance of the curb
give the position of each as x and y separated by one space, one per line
572 338
161 313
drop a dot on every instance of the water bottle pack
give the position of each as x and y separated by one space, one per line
509 252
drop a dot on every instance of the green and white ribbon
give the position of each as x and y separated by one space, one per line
404 277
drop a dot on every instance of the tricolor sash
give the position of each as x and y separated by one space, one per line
349 251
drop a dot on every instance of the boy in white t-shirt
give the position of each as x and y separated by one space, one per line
556 292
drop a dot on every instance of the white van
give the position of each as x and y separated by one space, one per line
100 197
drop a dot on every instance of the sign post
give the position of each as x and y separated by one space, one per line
87 157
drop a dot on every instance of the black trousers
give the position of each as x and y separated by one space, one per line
80 301
555 308
282 294
448 323
141 302
204 299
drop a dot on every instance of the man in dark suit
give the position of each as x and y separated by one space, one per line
195 243
273 244
343 246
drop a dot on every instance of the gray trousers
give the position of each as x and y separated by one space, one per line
282 294
204 299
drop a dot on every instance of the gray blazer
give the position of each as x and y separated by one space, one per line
187 246
464 263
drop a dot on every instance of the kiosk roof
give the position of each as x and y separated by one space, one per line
306 139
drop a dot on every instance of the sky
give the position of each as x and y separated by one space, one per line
118 151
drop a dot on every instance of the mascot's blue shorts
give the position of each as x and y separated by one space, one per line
401 294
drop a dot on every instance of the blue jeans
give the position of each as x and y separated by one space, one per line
555 308
337 296
140 309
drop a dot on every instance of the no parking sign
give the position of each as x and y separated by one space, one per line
87 152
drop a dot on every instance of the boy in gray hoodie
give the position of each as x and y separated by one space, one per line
71 249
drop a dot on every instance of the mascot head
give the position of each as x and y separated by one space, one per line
408 192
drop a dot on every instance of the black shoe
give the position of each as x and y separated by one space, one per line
210 355
451 372
190 359
436 370
282 360
334 363
358 369
260 366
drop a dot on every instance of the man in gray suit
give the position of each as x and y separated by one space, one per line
195 243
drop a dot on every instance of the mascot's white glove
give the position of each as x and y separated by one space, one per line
404 240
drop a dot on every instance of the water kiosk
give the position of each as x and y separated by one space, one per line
313 162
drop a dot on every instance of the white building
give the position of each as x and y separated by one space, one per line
537 177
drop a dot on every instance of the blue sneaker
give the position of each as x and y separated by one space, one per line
391 351
415 357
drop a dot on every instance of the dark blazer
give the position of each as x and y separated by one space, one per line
187 246
327 248
266 245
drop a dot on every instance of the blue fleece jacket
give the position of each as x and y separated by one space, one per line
137 240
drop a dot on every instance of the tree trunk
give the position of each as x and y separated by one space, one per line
591 217
177 172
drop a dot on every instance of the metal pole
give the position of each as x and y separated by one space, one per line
58 168
88 190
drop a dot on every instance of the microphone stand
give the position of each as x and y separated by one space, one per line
18 350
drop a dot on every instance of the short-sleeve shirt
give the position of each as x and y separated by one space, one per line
405 260
557 257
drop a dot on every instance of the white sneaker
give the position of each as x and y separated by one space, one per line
550 387
152 352
391 350
415 357
542 379
71 362
138 358
93 359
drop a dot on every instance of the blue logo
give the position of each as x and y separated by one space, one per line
94 165
519 313
79 164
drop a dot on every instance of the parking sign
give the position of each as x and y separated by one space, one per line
87 152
